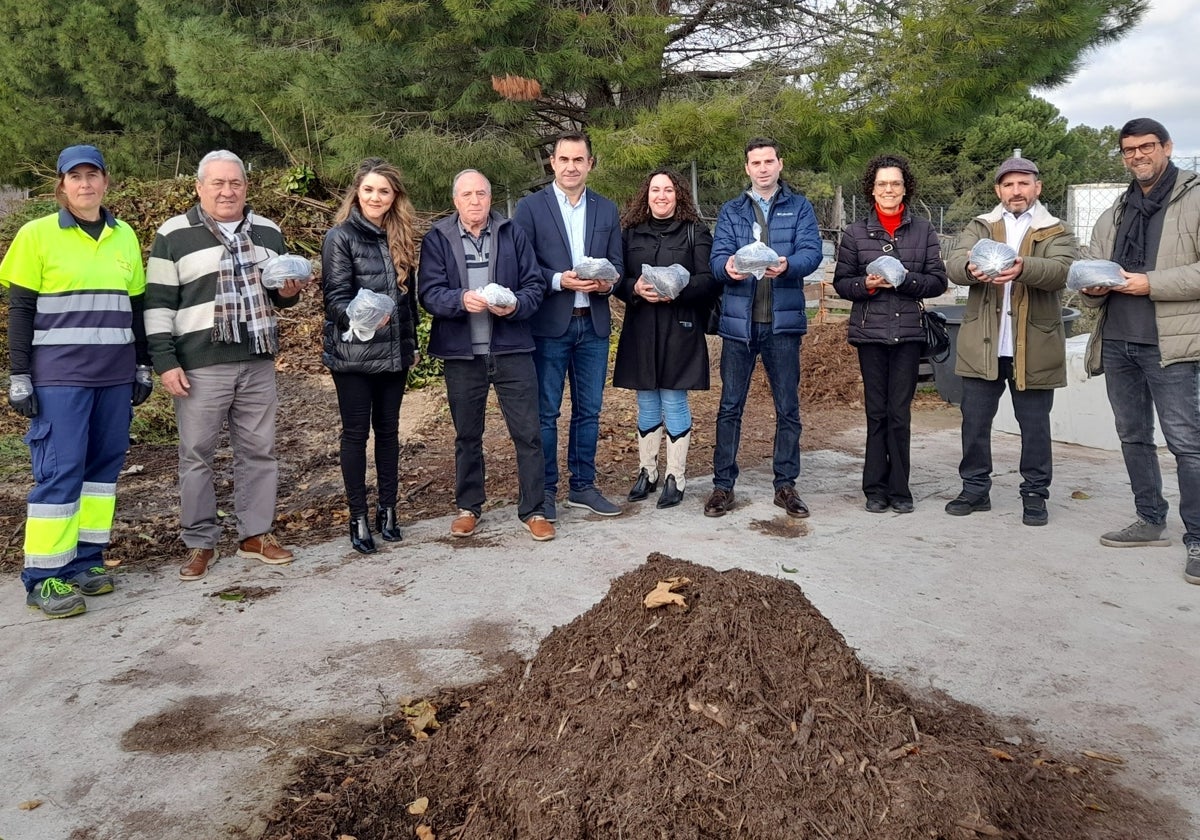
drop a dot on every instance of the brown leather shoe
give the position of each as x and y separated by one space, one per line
463 524
719 503
266 548
540 527
786 498
198 561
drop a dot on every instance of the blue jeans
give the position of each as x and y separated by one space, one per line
665 406
580 357
1138 385
781 359
467 383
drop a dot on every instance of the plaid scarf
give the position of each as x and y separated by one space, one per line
240 296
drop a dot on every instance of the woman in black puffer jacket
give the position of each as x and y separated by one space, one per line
885 321
373 245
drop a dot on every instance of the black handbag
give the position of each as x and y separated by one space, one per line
937 334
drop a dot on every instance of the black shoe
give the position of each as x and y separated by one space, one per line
1035 510
643 487
966 504
671 495
360 535
877 505
903 505
385 524
786 498
719 503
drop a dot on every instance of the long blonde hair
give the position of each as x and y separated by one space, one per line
399 223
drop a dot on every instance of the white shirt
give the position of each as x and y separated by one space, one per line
574 217
1015 228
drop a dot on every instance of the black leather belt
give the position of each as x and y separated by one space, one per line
580 310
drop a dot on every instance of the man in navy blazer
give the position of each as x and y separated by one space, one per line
566 222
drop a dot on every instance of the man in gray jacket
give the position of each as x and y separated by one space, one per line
1011 336
1147 339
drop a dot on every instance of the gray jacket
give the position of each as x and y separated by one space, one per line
1174 281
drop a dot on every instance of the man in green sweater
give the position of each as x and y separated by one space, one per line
213 336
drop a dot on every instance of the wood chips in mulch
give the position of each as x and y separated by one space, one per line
740 715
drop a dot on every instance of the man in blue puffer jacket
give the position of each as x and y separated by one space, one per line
762 317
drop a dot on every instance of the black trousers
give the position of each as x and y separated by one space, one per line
889 374
366 402
515 380
980 399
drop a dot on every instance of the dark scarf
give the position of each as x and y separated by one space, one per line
1130 247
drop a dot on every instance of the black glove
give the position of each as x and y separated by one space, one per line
143 384
21 396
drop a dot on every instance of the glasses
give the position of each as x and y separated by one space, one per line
883 185
1144 149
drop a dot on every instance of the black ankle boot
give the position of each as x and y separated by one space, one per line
643 487
360 535
385 523
671 495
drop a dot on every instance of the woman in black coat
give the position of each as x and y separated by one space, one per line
885 321
373 245
662 352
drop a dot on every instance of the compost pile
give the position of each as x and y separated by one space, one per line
742 714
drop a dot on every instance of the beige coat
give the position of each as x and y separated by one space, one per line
1039 339
1174 281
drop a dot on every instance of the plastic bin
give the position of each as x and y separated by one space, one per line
949 383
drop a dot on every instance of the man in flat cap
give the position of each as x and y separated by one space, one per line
1011 335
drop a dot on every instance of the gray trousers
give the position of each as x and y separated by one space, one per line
244 394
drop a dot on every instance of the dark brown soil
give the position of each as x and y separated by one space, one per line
743 715
311 499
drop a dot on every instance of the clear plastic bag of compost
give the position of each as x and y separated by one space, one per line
596 268
756 257
1086 273
668 280
367 312
889 268
278 270
497 295
992 257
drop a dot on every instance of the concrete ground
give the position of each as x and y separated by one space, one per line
167 713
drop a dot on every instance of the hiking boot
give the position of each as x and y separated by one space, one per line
877 505
1138 534
266 548
198 561
903 505
786 498
1191 572
1034 511
590 498
539 528
719 503
93 581
56 598
967 504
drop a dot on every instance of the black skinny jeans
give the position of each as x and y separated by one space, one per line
369 401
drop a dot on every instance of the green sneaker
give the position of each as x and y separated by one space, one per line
93 581
56 599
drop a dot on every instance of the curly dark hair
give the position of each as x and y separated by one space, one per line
885 162
638 209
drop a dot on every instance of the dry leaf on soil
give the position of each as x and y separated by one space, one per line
419 806
424 832
664 593
29 804
420 716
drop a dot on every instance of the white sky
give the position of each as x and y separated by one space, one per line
1153 72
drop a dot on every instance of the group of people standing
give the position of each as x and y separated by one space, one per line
88 326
